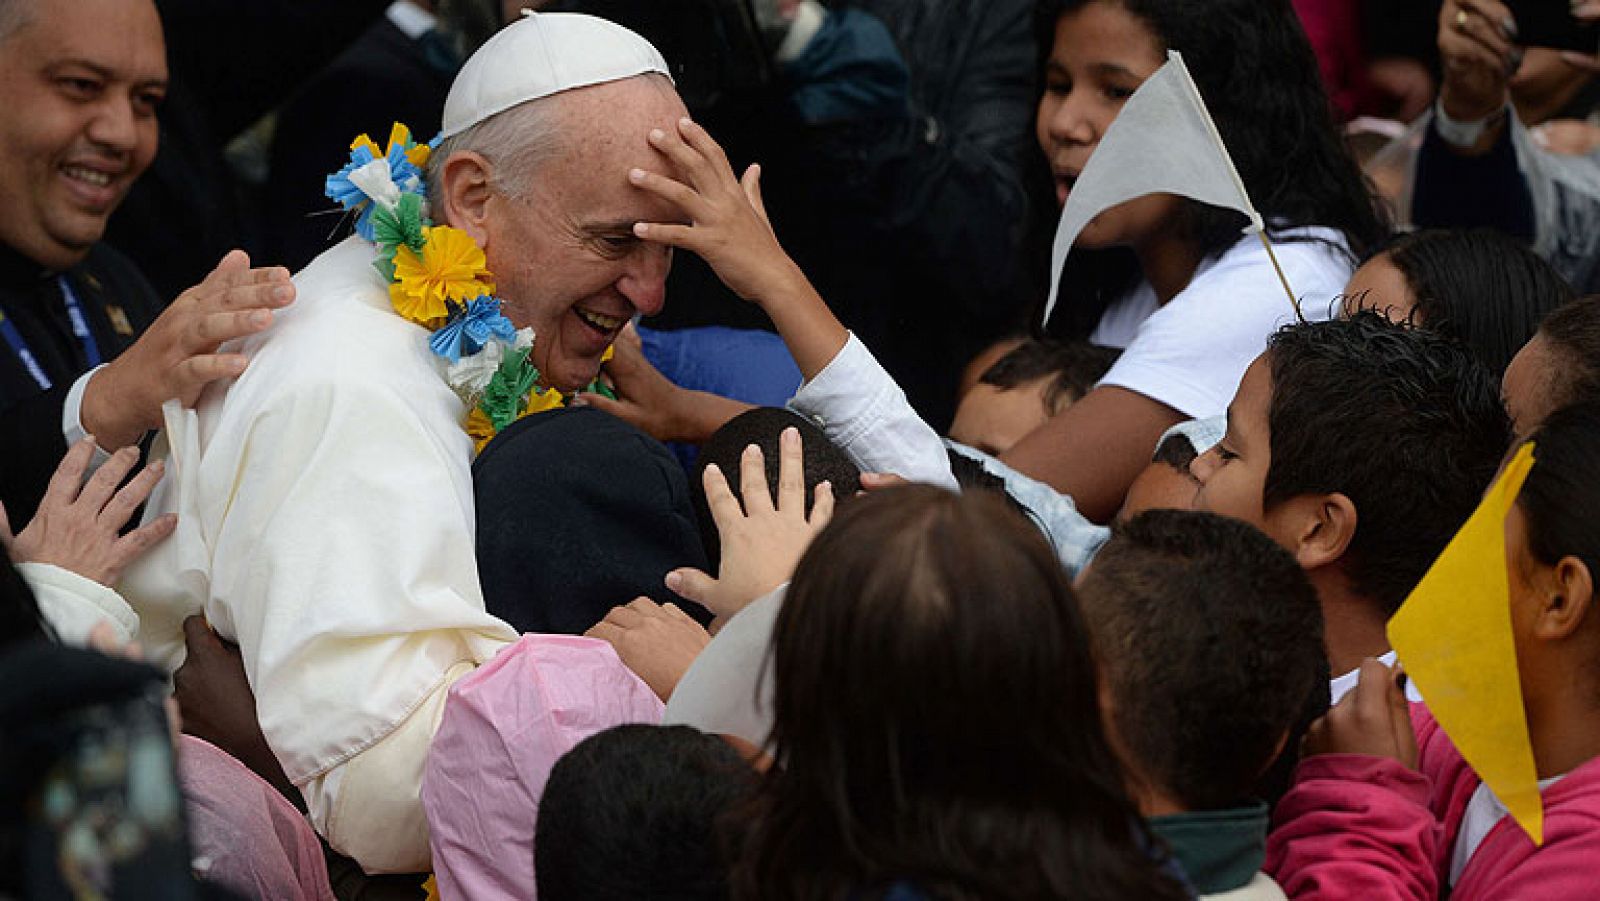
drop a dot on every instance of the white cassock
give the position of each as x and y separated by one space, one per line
326 524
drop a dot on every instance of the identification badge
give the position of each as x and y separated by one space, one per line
119 321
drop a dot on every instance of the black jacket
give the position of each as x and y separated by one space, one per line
117 303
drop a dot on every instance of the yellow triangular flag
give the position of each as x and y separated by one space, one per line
1454 637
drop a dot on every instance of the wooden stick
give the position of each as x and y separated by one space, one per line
1294 301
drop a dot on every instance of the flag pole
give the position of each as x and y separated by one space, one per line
1294 301
1256 223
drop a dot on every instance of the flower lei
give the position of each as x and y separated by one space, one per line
438 278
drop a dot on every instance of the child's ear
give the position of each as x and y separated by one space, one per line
1321 528
467 191
1568 589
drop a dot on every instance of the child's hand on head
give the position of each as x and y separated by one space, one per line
1373 718
761 543
729 226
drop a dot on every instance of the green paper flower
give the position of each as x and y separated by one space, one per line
507 394
404 224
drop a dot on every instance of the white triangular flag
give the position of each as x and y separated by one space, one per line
1162 142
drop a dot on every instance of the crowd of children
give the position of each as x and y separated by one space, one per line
1123 632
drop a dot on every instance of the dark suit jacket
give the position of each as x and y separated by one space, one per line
117 303
231 63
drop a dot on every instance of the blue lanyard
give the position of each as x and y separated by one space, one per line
80 325
20 348
80 329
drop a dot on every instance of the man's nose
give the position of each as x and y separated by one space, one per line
115 124
645 281
1202 466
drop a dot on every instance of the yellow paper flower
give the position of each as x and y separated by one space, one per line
419 155
399 136
538 403
451 267
365 141
479 429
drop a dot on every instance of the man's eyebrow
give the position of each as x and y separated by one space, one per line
104 73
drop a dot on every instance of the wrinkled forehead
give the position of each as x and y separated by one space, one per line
618 113
603 132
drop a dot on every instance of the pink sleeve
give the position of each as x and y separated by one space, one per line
504 727
1512 868
1355 827
252 841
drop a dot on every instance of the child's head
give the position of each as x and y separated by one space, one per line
1209 639
1553 555
1031 383
1360 445
1259 79
1559 367
935 717
823 462
1481 287
633 812
1167 483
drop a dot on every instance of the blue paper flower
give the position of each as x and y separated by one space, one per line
341 189
470 329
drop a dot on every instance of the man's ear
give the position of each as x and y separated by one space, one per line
1567 591
467 189
1319 527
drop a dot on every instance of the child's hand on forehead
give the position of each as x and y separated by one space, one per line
729 227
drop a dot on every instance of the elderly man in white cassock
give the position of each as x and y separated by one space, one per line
325 496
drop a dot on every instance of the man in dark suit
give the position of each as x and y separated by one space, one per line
80 83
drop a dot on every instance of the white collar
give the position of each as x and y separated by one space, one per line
1341 685
412 20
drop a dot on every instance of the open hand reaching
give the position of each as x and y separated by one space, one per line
762 541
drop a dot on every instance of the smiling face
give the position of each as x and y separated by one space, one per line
1102 53
562 248
80 81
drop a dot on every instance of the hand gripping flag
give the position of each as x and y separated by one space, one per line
1454 636
1163 142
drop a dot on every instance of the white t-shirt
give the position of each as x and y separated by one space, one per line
1191 352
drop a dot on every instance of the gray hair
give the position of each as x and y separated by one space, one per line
13 15
516 143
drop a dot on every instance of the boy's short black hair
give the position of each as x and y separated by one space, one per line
1177 451
1573 332
1076 366
762 426
632 812
1209 636
1406 423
